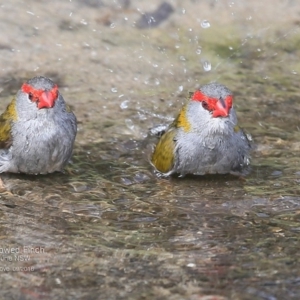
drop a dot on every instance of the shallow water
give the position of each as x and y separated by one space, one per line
108 228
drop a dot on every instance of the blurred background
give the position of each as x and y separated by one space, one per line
109 228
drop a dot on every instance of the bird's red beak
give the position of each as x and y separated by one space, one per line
223 107
46 100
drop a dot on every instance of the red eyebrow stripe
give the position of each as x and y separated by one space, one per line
26 88
199 96
36 94
229 100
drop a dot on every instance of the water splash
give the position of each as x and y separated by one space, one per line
205 24
198 51
129 124
114 90
124 104
206 65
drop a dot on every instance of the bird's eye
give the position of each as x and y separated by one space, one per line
205 105
30 96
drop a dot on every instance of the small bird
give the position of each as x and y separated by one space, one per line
204 138
37 130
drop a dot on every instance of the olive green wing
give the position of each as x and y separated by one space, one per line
163 156
6 120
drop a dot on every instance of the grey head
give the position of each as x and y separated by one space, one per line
41 83
38 96
210 109
215 90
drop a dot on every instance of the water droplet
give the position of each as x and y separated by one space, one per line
198 51
206 65
183 11
129 124
190 29
114 90
182 58
155 65
180 88
177 46
258 49
249 137
124 104
151 20
294 72
157 81
249 18
205 24
112 25
142 116
230 48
